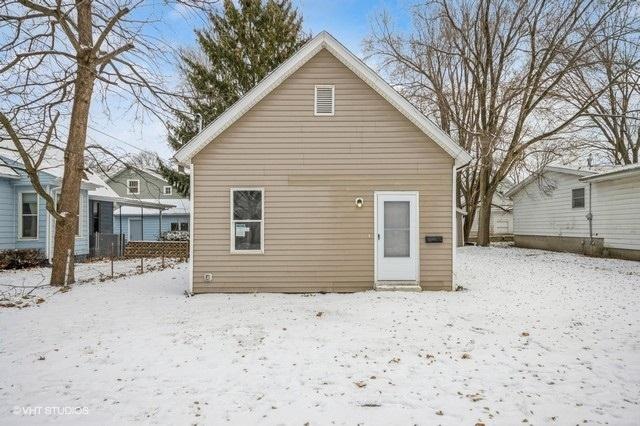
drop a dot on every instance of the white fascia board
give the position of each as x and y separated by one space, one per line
309 50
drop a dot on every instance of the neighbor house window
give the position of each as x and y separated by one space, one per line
167 190
133 186
28 223
180 226
324 100
247 220
577 198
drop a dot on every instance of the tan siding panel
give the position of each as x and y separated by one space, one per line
312 169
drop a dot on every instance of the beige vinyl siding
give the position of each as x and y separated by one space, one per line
312 169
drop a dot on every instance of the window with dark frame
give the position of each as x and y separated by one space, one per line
247 220
577 198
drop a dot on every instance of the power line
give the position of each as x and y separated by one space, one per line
116 138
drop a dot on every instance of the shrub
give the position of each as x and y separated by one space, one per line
21 258
175 236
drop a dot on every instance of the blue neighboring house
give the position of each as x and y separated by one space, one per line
147 224
24 220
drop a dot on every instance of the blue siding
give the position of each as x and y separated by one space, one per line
9 199
7 215
150 224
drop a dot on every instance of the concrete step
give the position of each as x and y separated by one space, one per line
398 286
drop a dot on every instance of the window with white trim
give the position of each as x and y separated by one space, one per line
247 220
180 226
133 186
167 190
28 216
324 100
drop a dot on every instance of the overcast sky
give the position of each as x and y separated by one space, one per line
348 20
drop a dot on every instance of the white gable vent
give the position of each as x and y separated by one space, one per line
324 100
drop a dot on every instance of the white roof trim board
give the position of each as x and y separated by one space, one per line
324 40
616 173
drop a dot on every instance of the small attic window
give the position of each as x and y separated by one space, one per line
324 100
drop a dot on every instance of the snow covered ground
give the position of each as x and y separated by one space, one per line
535 336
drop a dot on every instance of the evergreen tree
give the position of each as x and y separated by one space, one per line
243 43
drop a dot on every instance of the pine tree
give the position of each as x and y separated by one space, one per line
242 44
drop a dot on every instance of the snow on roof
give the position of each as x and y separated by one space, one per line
182 207
549 168
614 173
8 172
102 190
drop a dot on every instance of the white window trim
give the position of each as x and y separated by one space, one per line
315 100
129 188
232 236
178 222
20 237
164 190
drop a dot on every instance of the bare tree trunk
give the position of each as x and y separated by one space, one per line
66 227
484 220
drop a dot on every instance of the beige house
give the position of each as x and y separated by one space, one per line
322 178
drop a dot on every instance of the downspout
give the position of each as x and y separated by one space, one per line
590 218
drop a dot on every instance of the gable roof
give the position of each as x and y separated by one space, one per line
615 173
324 40
535 175
145 170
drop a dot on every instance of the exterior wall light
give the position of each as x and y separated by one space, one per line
359 202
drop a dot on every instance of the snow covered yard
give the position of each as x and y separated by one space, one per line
539 336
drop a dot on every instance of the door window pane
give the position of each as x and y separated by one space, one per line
397 229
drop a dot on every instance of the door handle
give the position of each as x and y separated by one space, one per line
378 237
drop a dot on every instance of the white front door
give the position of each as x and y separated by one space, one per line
397 236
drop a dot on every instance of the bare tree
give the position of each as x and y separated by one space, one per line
57 56
491 72
614 116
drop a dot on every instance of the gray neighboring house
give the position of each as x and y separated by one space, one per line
581 211
147 224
